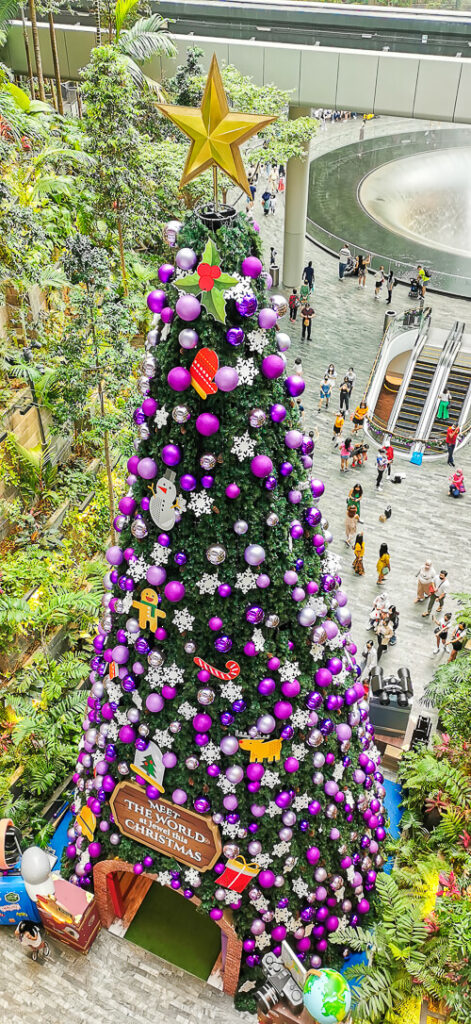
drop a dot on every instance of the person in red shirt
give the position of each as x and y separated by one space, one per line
451 439
389 455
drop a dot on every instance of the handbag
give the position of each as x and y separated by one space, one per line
385 570
306 321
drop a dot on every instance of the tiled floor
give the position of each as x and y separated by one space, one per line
118 982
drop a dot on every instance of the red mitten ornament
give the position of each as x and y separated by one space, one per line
202 371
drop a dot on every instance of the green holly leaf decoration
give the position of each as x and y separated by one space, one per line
209 280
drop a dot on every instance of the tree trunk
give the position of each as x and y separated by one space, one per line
53 92
57 67
121 254
97 22
79 103
28 53
37 51
106 443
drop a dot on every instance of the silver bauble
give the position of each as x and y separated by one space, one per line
192 763
272 519
318 778
190 647
318 759
143 730
175 727
208 461
216 554
230 850
123 768
279 304
283 341
240 527
133 715
306 617
139 529
115 839
181 413
132 626
155 658
272 621
144 432
205 695
257 417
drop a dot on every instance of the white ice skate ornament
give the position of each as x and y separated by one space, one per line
162 506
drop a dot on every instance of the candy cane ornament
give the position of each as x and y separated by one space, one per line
232 666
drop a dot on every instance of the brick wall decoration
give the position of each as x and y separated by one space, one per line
232 944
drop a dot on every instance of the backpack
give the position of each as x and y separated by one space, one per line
292 301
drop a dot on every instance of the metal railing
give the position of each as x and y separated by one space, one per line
442 281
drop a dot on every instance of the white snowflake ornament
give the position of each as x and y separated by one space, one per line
161 417
200 504
245 581
208 583
183 620
244 447
246 370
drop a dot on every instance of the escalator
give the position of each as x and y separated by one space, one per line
458 383
416 395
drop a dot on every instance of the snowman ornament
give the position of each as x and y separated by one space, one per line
163 503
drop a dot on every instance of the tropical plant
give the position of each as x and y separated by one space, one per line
394 951
138 43
35 473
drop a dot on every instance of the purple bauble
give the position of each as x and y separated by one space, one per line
156 300
167 314
323 677
226 378
171 454
188 307
120 654
235 336
313 516
147 468
156 575
251 266
277 413
174 591
179 379
246 306
272 366
266 879
291 764
179 796
267 318
293 439
186 259
114 555
313 856
166 272
188 338
294 385
127 734
232 491
207 424
266 687
283 709
188 482
261 466
154 702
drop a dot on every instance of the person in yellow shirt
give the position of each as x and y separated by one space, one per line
383 565
359 549
337 429
359 416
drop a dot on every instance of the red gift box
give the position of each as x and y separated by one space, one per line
237 874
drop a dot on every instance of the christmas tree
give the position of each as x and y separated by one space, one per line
224 681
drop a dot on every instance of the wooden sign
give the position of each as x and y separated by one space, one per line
190 838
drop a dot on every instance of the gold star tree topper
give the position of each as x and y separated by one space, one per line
216 133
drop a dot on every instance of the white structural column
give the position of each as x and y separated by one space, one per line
297 185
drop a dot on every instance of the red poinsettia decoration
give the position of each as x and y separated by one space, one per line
207 274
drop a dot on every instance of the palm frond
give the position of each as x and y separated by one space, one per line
145 39
69 156
8 10
122 11
54 185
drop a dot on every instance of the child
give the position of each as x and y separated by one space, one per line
383 565
345 452
298 367
301 409
30 937
273 199
359 454
359 550
337 429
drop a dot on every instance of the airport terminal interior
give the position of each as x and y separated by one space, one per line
235 686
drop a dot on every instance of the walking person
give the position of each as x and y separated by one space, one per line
363 263
441 630
351 377
307 313
458 638
298 367
385 633
359 551
354 498
337 428
308 275
324 393
425 577
452 435
344 256
381 467
394 620
345 453
391 283
359 416
273 200
369 660
383 565
444 402
379 279
438 590
293 303
344 395
331 373
351 520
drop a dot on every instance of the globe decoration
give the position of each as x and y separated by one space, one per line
327 996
